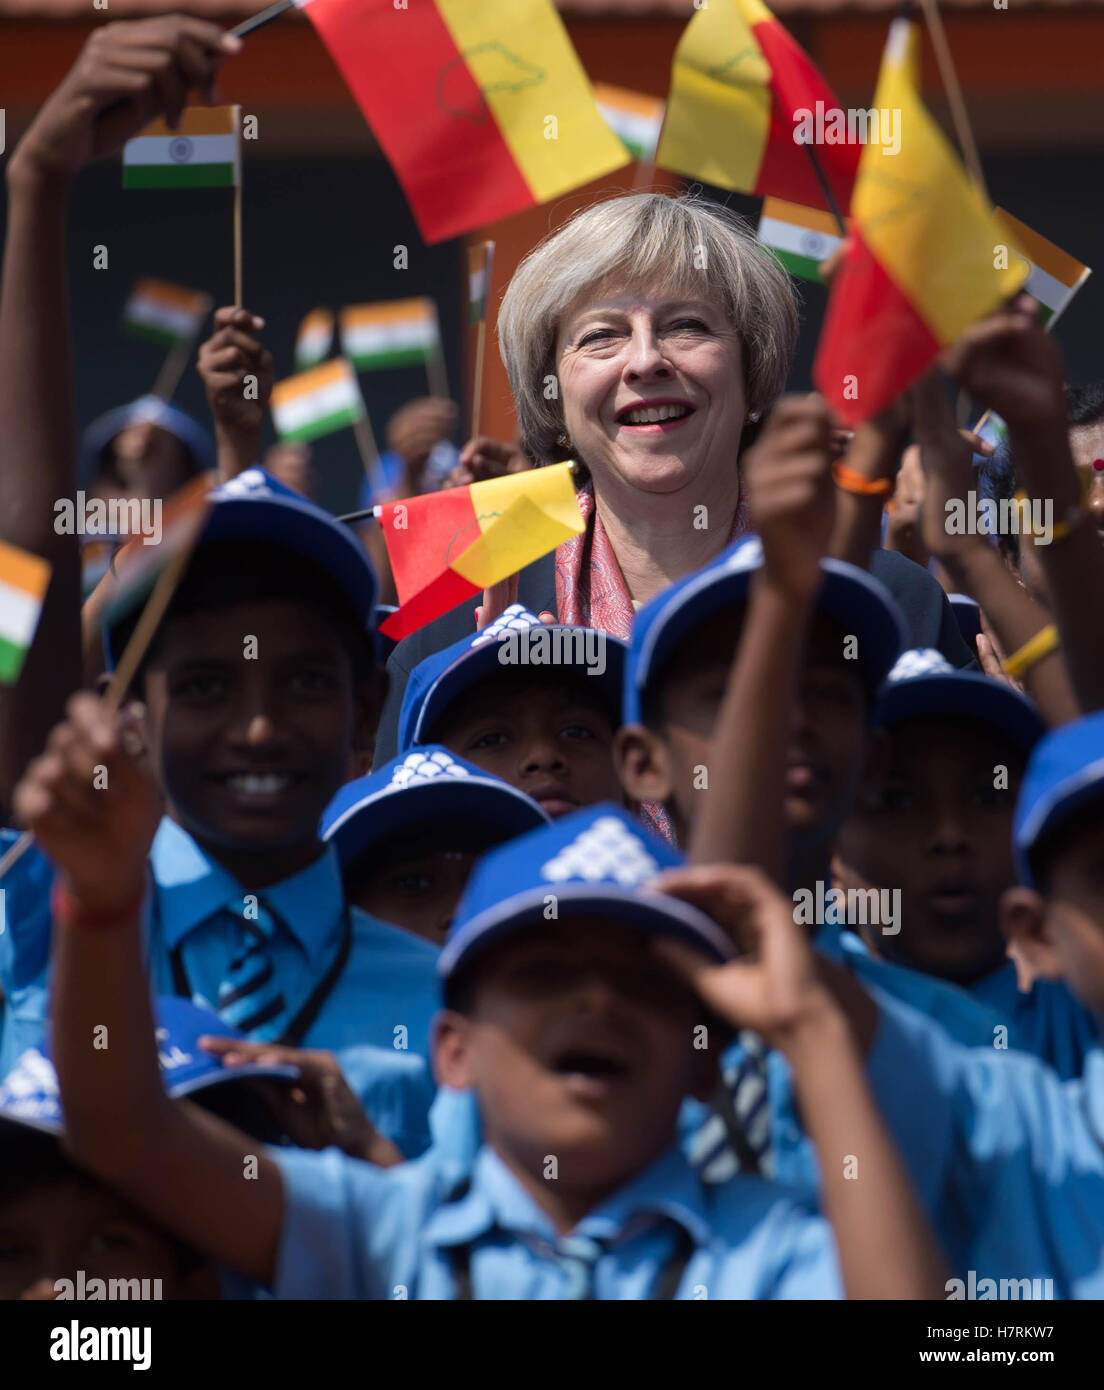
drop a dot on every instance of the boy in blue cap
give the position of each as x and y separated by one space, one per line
565 1015
537 704
258 686
934 820
407 836
63 1233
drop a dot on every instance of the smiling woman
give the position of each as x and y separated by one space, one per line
641 340
644 340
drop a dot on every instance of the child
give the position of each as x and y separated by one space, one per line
258 687
536 704
571 1027
407 836
934 820
63 1233
682 649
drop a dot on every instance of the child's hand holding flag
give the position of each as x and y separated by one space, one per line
237 371
127 75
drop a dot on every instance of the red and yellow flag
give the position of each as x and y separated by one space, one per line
468 538
481 106
921 262
740 88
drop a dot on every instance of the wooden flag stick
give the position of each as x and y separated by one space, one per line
369 452
237 246
953 91
436 376
133 653
176 361
477 383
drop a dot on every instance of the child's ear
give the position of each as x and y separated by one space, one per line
642 763
1023 919
450 1050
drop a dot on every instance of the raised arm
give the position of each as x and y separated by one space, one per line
198 1177
237 372
886 1249
125 76
1011 364
971 560
789 485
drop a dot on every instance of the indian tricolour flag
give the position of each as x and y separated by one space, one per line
317 402
800 237
636 119
23 581
392 333
1055 276
314 341
204 152
164 312
480 261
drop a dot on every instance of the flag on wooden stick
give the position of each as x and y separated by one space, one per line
317 402
204 152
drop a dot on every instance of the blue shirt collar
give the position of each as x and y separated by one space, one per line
191 887
668 1187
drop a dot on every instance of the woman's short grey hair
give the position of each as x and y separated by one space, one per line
685 242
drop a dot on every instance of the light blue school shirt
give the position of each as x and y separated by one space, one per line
351 1230
1047 1020
966 1019
383 1000
1008 1159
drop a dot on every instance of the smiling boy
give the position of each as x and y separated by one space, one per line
259 684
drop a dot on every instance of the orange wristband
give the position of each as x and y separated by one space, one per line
850 481
64 909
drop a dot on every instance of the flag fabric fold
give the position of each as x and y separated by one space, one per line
800 237
314 340
1054 276
390 333
739 88
634 117
166 313
468 538
317 402
920 264
24 579
481 106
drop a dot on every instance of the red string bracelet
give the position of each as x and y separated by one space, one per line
65 909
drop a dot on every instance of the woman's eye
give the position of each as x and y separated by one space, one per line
688 326
597 335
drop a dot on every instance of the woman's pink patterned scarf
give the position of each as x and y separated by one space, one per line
591 592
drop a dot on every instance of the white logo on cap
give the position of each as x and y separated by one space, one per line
28 1085
605 850
515 619
252 480
920 661
423 767
748 556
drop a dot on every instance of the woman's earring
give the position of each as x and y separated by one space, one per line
563 441
753 416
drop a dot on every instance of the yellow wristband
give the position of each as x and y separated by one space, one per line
1032 652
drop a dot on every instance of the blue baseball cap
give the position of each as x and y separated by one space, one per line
861 604
152 410
517 638
417 788
924 683
255 506
967 614
594 862
1064 774
30 1098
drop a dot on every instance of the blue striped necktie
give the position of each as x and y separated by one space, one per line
577 1256
249 999
711 1149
